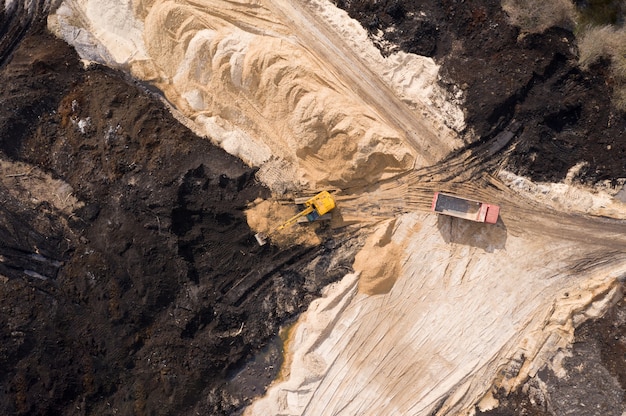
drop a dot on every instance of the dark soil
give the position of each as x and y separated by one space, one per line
155 297
596 376
566 113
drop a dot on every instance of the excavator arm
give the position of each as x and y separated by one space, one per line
261 238
291 221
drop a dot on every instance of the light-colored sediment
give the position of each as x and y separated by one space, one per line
27 183
246 80
570 197
471 306
378 263
266 216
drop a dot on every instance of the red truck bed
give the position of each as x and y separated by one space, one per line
465 208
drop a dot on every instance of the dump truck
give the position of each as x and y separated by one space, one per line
316 208
468 209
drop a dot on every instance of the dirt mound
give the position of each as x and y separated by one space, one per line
245 84
265 216
379 261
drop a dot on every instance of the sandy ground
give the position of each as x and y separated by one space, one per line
456 309
230 77
468 301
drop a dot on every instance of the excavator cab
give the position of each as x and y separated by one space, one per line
315 207
322 203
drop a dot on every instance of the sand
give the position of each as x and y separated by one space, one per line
468 300
569 196
379 261
266 216
245 80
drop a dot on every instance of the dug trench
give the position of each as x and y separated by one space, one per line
150 295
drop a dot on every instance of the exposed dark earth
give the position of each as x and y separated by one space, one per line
566 113
154 298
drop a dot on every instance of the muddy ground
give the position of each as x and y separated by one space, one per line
153 297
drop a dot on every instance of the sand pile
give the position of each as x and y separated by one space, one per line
262 83
412 78
245 81
463 312
379 261
569 196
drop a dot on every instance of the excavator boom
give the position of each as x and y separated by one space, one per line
295 218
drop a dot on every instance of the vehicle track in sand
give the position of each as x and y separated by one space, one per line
467 174
438 167
335 53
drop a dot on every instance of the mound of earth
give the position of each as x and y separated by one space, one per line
234 71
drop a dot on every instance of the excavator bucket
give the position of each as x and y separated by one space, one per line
261 238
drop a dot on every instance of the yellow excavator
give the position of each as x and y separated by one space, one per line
315 208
